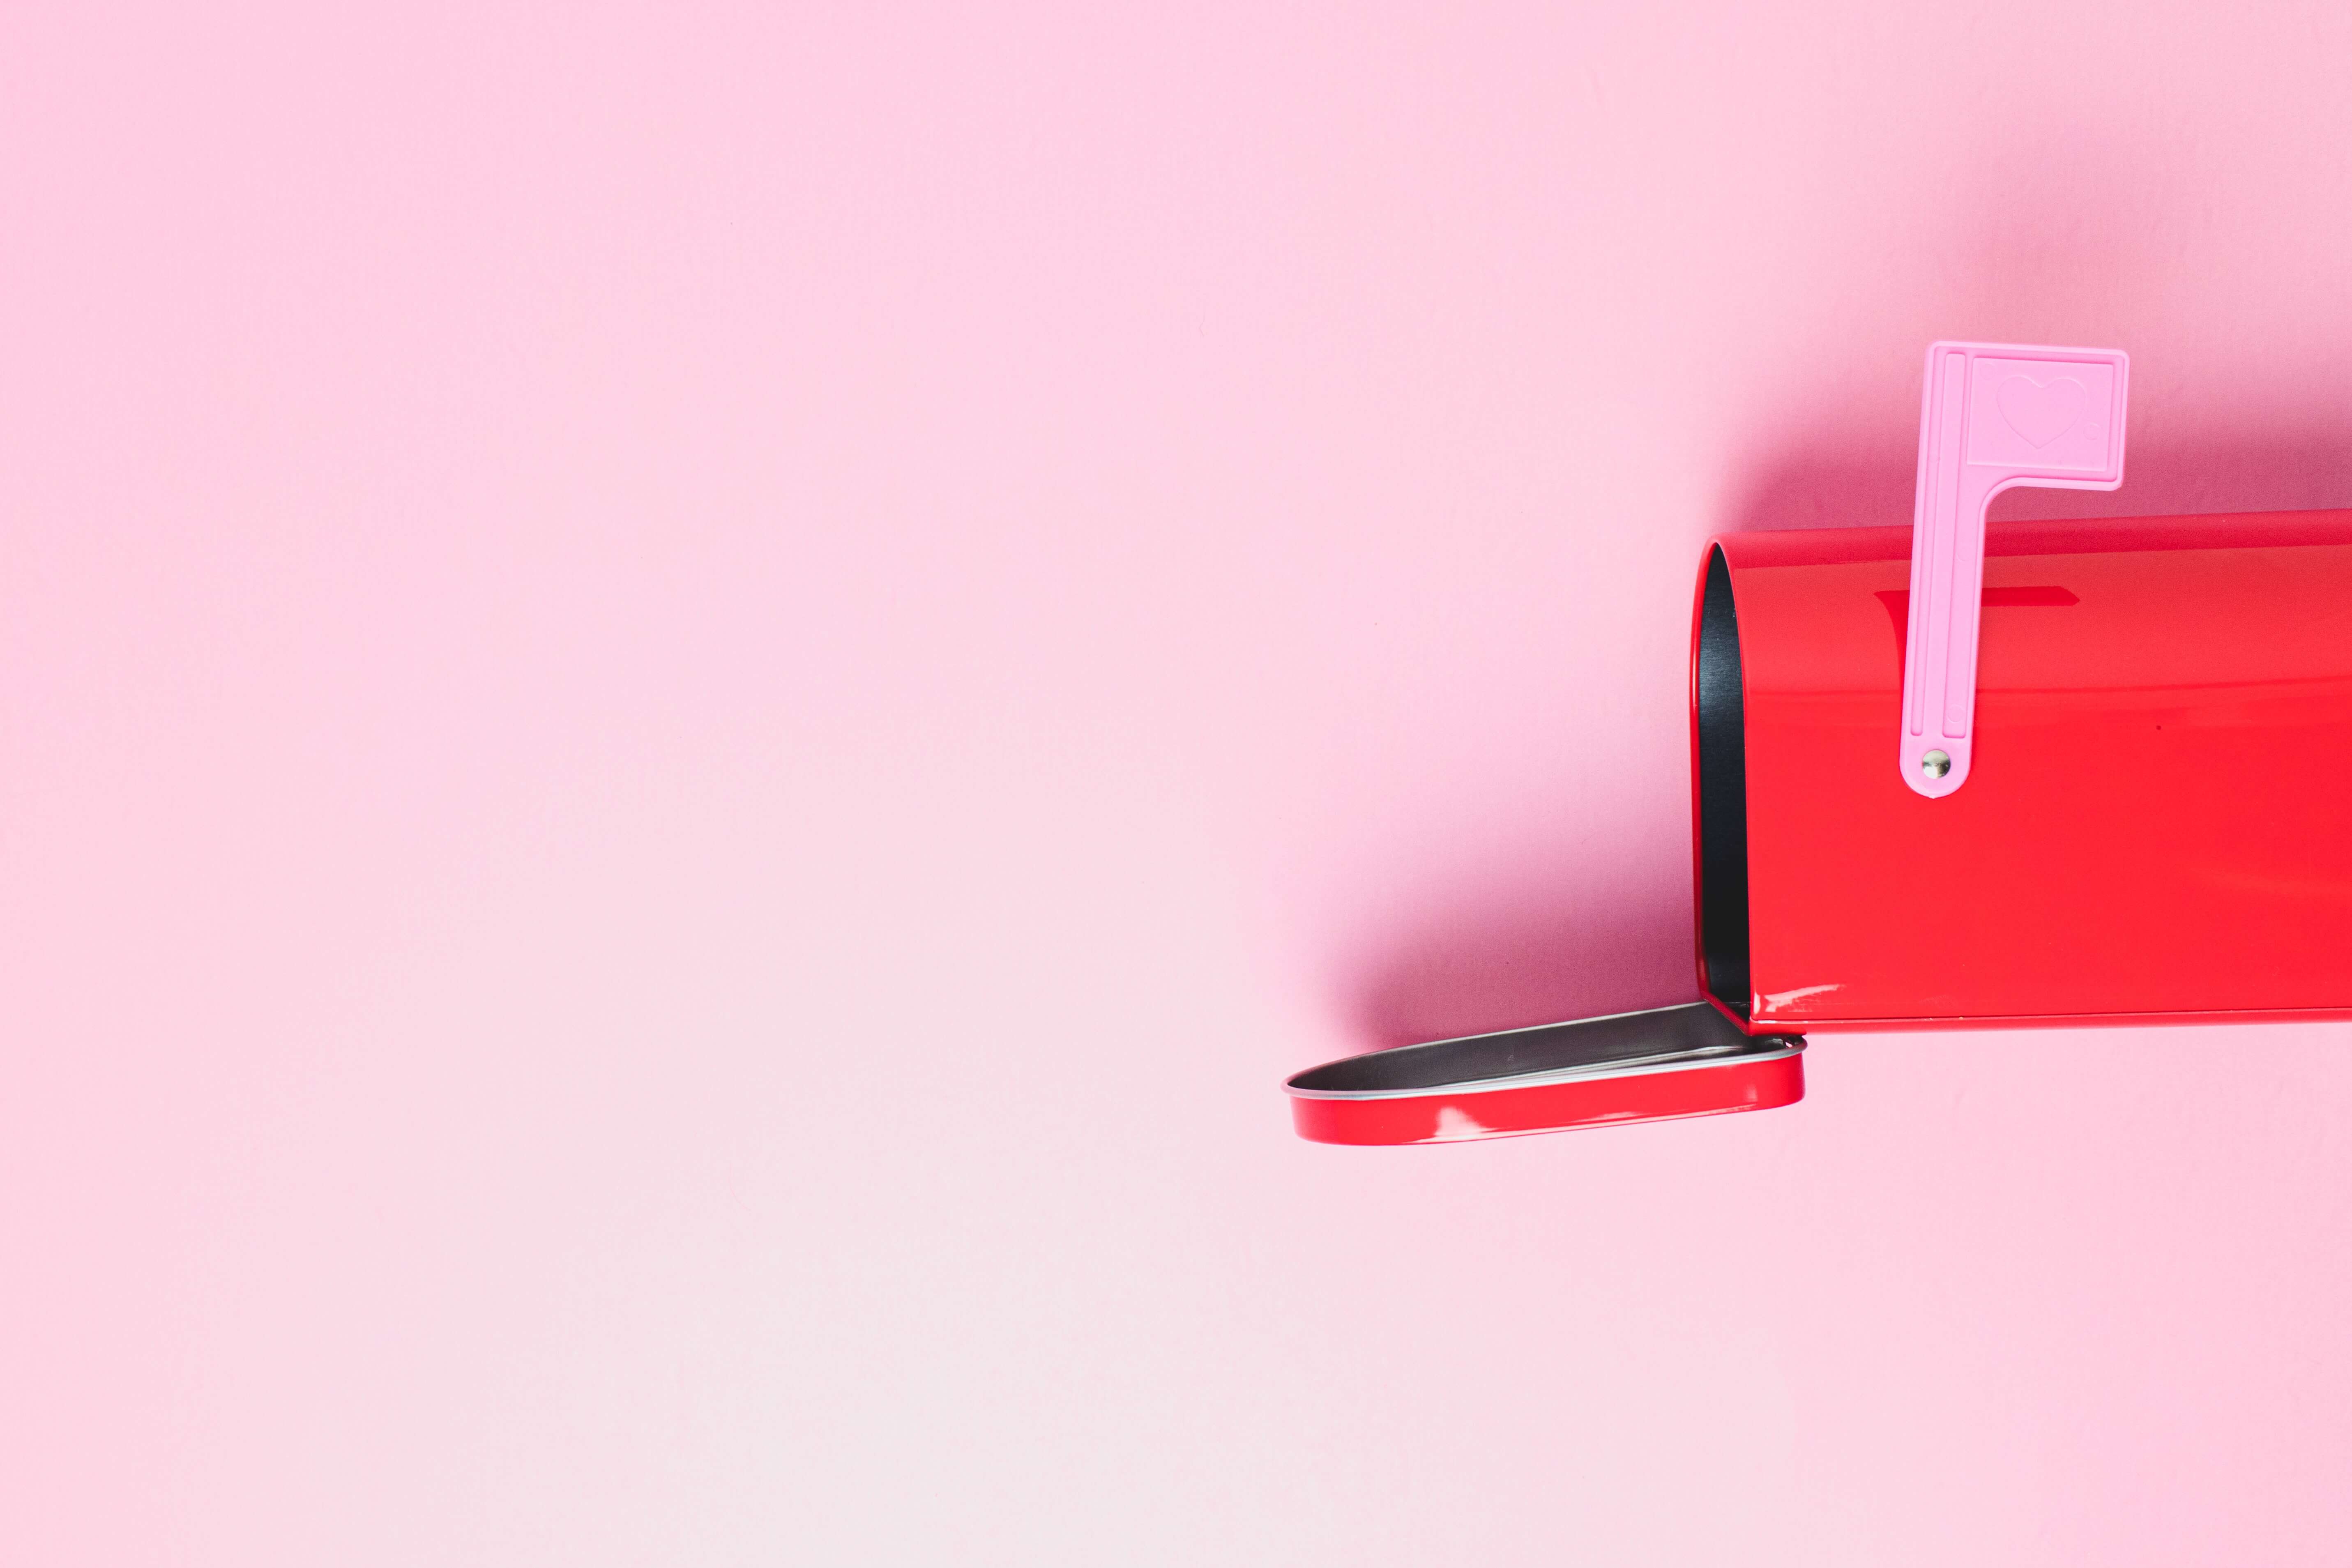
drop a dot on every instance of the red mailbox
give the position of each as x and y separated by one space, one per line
2155 826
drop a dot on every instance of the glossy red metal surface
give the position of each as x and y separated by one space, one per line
1453 1117
2157 825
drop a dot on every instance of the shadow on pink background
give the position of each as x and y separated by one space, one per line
697 703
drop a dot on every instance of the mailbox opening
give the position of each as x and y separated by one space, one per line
1722 725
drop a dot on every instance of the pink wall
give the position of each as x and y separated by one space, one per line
696 703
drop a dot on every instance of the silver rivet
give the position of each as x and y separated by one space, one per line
1936 764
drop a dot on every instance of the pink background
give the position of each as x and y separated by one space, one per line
696 704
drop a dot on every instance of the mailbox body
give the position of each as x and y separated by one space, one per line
2159 824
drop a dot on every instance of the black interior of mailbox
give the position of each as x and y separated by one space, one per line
1722 793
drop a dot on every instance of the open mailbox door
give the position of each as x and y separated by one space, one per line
1636 1066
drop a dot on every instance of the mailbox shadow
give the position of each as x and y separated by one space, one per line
1516 959
2288 467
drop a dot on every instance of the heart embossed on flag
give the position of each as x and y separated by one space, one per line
2042 413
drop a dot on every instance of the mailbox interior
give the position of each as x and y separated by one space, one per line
1721 781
